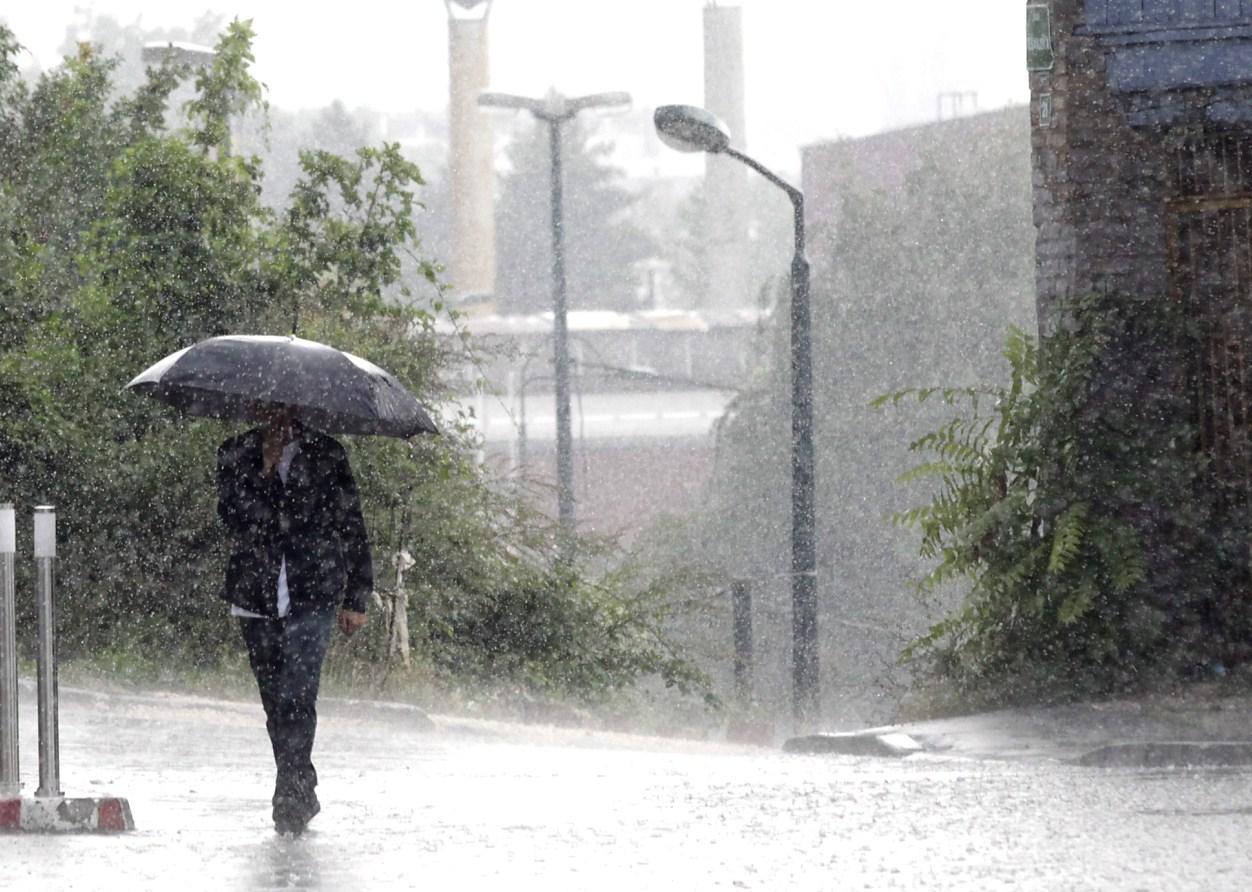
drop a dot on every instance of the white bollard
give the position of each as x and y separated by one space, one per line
49 734
10 779
49 811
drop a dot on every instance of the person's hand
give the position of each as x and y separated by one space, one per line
350 621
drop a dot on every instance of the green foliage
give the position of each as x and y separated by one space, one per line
224 88
344 232
168 242
1063 502
124 42
543 625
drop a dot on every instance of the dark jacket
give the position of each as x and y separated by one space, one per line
314 519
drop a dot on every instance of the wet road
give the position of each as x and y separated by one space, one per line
478 805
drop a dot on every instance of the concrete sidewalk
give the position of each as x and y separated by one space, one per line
1193 729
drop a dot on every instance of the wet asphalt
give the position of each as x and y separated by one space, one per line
411 803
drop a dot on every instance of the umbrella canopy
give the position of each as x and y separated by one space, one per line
239 376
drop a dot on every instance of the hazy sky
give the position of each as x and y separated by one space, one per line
816 69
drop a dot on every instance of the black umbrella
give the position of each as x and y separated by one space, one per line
240 376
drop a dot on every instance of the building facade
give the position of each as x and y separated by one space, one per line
1141 117
1142 149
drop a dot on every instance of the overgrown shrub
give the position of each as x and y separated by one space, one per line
1076 507
122 241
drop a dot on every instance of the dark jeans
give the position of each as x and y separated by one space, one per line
286 657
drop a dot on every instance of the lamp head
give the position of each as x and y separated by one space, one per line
554 106
468 9
688 128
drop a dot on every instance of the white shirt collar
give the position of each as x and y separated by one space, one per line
284 461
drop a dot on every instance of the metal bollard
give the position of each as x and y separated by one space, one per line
49 742
10 780
741 605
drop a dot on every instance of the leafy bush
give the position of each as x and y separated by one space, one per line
1073 503
121 242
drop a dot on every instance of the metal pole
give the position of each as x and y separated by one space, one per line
560 348
510 402
805 678
803 536
741 605
522 457
10 777
49 745
555 110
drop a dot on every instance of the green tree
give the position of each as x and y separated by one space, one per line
179 246
123 42
1072 510
601 242
768 241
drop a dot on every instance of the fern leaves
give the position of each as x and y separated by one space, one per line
1028 509
1067 538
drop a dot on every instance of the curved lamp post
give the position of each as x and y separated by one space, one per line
691 129
554 110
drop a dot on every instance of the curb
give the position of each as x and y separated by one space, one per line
1178 754
56 814
420 719
894 745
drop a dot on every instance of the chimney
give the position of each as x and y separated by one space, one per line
473 266
727 283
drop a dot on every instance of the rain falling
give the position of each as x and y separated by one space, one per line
684 445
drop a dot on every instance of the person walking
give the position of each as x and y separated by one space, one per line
300 559
299 565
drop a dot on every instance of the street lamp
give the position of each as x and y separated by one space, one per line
554 110
690 129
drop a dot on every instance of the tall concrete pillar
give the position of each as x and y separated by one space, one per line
473 266
728 281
